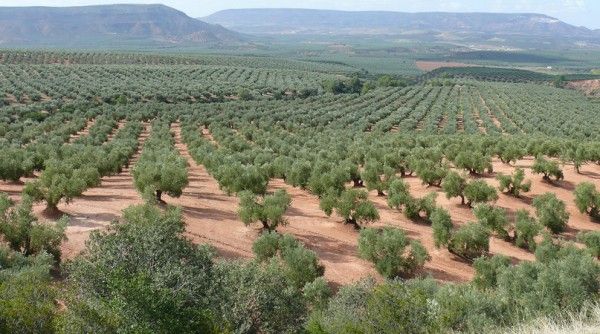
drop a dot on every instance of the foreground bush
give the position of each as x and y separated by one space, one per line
24 234
501 295
470 241
392 252
145 276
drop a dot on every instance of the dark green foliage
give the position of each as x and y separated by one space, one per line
61 180
474 162
478 191
587 199
415 207
454 186
266 246
392 252
430 172
470 241
23 233
142 275
493 218
27 296
160 168
317 293
526 229
592 241
551 212
15 163
376 176
301 265
268 211
548 168
514 184
353 206
353 86
398 194
486 270
564 281
441 224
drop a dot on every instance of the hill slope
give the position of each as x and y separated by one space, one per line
440 25
72 26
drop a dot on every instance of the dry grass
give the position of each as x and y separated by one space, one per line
587 321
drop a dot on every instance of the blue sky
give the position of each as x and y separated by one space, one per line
578 12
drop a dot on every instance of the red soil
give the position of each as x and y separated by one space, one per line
211 217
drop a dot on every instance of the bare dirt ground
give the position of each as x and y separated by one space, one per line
211 217
84 132
434 65
588 87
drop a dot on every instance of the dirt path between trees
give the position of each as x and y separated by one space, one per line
98 206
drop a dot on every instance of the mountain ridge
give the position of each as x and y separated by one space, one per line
281 21
71 25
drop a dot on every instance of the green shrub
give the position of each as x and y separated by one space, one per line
392 252
441 224
526 229
548 168
479 191
592 241
269 210
486 270
551 212
470 241
514 184
454 186
587 199
493 218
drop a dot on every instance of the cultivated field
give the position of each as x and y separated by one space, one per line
316 153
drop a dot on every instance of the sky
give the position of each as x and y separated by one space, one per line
577 12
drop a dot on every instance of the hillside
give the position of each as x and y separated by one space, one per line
440 26
77 26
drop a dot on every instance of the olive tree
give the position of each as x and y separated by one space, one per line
392 252
376 176
526 230
454 186
494 218
441 224
14 163
352 205
551 212
24 233
159 172
61 181
470 241
548 168
474 162
417 206
587 199
514 184
430 172
478 191
301 264
398 194
268 210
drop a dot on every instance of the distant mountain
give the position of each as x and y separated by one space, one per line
74 26
485 25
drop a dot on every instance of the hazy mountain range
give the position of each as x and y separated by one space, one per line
435 25
158 24
66 26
